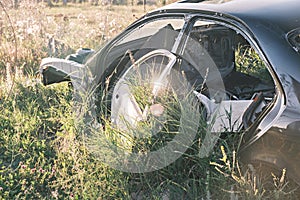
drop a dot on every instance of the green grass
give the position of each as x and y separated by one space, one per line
248 62
42 151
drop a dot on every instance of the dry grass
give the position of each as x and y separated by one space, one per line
35 31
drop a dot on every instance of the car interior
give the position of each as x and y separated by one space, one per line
248 85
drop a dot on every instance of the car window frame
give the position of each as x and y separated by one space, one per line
99 65
278 104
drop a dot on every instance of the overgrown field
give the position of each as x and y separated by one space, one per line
42 153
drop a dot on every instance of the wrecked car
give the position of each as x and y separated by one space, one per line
240 58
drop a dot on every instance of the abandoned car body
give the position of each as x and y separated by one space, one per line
239 57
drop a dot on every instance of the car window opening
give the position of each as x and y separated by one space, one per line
247 82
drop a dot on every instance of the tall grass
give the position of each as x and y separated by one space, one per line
42 151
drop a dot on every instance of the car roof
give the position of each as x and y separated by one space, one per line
282 13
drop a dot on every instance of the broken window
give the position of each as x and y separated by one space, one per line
163 26
248 85
155 34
